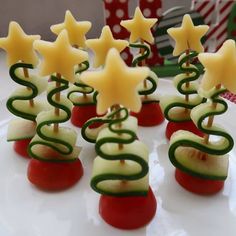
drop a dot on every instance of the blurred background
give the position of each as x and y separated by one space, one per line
36 16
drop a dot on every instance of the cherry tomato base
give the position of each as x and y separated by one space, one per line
80 114
185 125
54 176
149 115
198 185
128 212
21 147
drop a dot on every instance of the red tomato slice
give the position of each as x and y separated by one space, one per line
54 175
198 185
149 115
185 125
21 147
80 114
128 212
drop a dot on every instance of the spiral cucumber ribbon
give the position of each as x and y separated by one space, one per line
18 103
186 148
174 107
152 79
81 88
48 145
110 175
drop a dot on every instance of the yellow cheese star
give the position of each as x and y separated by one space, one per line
102 45
59 57
220 67
187 36
139 27
76 29
19 46
116 83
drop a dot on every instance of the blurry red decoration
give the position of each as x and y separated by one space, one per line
117 10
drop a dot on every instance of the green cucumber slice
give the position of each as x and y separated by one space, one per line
174 107
91 135
210 166
120 171
18 102
111 177
152 79
48 145
190 153
77 92
19 129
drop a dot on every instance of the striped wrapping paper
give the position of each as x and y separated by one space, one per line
216 14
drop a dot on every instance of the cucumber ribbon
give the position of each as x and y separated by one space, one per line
119 172
81 88
48 145
191 154
175 107
18 103
152 79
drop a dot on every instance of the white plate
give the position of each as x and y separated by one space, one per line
28 211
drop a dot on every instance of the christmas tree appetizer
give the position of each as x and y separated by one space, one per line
177 108
120 171
20 58
201 163
55 164
140 29
80 94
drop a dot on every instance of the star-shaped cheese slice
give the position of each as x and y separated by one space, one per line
19 46
102 45
59 57
139 27
76 29
220 67
116 83
188 36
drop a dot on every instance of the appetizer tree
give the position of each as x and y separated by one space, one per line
140 33
80 94
120 171
20 58
55 164
201 162
177 108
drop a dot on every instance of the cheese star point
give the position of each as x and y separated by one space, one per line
220 67
187 36
59 57
19 45
102 45
76 29
139 27
116 83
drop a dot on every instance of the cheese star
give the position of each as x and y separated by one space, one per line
59 57
102 45
139 27
220 67
76 29
187 36
19 46
116 83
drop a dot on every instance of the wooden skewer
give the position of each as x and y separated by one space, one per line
120 145
187 74
58 97
84 94
211 119
187 65
143 63
26 75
